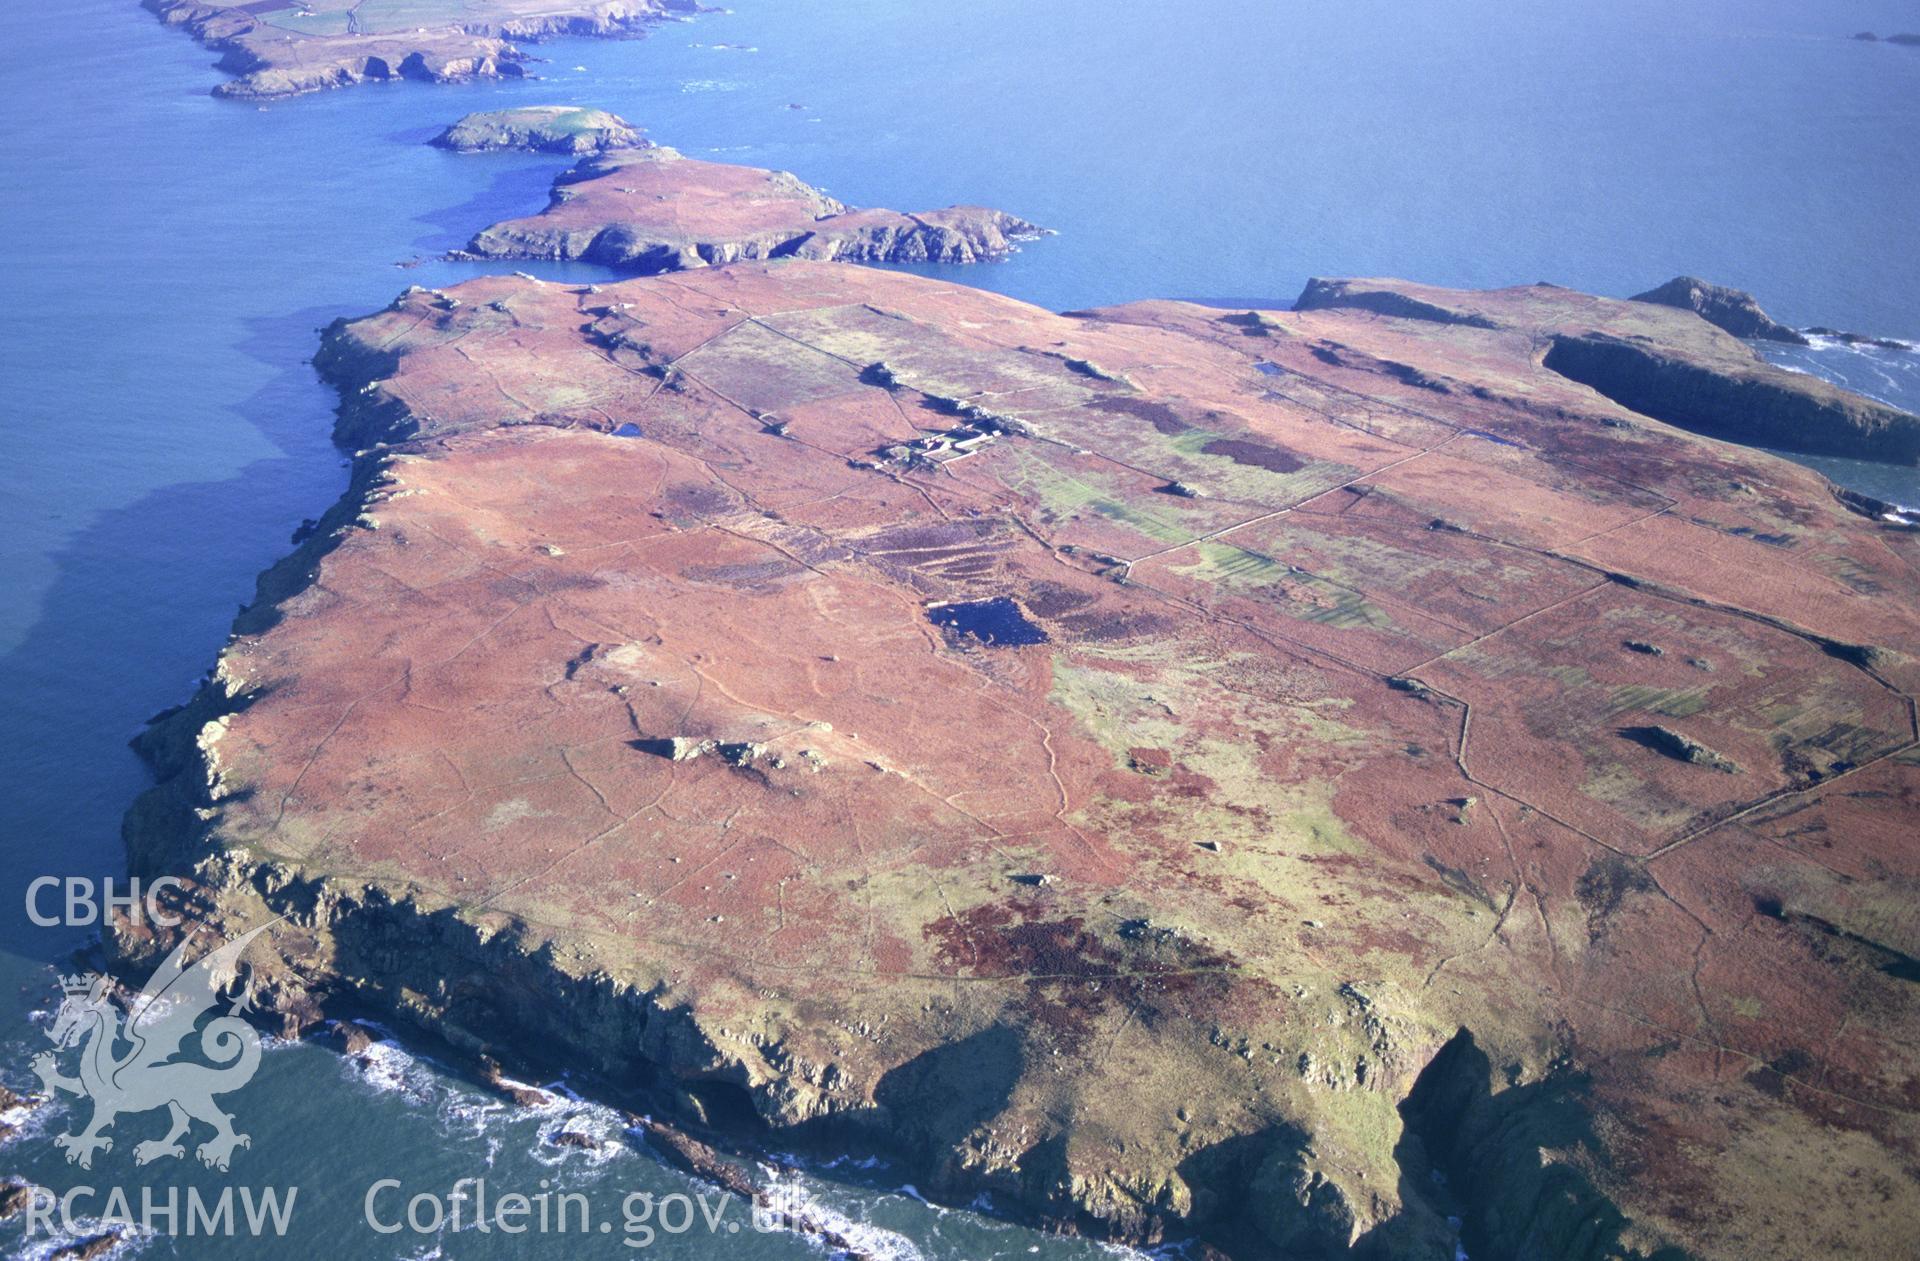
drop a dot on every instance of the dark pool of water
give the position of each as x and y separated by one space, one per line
999 622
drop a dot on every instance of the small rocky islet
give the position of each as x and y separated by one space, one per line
565 129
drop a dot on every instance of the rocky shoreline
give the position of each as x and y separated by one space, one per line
1424 809
269 60
1261 1099
653 210
564 129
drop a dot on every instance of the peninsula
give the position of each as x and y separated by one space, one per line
1291 778
286 49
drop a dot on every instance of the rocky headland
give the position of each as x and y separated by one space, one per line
277 51
565 129
1686 372
1421 784
1730 310
654 210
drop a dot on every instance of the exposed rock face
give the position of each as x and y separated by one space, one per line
1675 745
1860 339
14 1109
15 1199
1382 298
1751 402
567 129
1731 310
1641 356
282 51
1159 922
89 1248
654 210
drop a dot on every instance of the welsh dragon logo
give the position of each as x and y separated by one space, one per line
132 1067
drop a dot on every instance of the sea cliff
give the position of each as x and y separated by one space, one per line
1691 374
275 52
655 210
567 129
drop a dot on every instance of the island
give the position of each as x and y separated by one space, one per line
566 129
653 209
1304 780
275 50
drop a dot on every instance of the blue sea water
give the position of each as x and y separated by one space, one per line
168 258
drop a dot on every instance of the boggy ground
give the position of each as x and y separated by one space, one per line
1431 767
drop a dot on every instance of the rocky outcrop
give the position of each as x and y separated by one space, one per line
1859 339
1678 746
90 1247
1731 310
655 210
15 1199
1363 295
1515 1160
331 43
14 1110
565 129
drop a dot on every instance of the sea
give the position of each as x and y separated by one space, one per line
167 258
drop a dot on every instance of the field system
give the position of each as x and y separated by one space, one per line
1360 687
